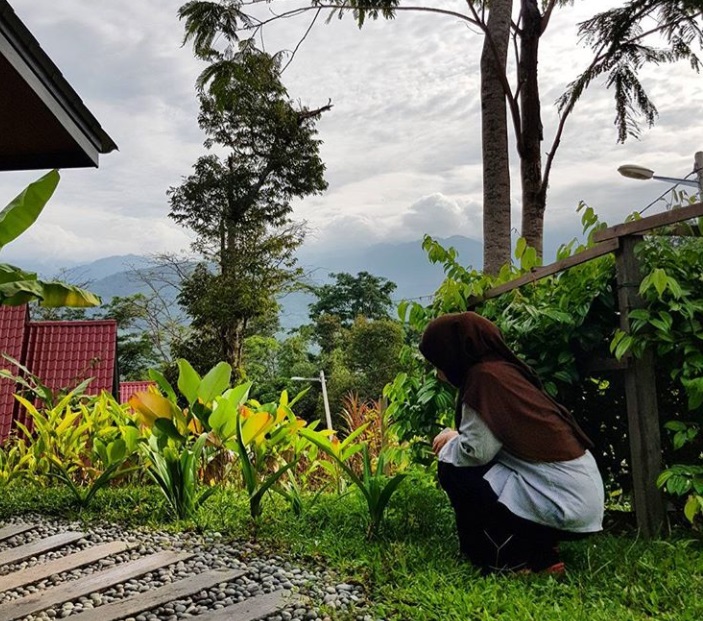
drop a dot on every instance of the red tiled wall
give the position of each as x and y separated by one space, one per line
13 321
60 353
127 389
64 353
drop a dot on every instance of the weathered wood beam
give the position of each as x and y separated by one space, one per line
641 396
12 530
681 230
20 553
97 581
61 564
595 365
250 609
542 272
147 600
649 223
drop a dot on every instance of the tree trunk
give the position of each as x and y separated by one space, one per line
232 344
530 142
226 242
494 139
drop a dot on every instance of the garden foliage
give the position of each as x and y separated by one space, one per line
198 433
190 439
560 326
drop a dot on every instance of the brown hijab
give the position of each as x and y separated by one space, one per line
502 389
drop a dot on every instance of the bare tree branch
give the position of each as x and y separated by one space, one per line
305 36
547 14
300 10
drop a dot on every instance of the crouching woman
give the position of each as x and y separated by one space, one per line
517 468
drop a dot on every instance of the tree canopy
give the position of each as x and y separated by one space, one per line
622 39
238 200
349 297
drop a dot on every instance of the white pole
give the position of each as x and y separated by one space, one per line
328 416
698 169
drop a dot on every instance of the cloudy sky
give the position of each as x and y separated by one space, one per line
401 145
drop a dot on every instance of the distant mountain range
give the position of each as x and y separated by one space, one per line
405 264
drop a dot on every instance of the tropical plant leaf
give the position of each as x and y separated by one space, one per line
10 273
389 490
163 384
188 381
323 443
166 426
269 483
248 472
299 396
151 406
17 292
693 507
55 294
117 451
50 294
239 394
25 208
223 420
215 382
254 426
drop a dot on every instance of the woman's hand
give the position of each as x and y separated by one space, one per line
442 438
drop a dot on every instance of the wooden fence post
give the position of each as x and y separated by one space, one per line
641 396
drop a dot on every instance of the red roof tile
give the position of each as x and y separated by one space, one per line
64 353
127 389
13 320
60 353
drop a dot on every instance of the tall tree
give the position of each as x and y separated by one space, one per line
226 304
494 143
373 354
623 39
270 363
358 340
349 297
239 203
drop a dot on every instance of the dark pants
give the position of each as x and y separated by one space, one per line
493 538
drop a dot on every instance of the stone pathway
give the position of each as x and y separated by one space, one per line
53 570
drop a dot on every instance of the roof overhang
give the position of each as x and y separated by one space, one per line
43 122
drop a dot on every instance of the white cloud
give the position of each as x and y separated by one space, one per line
441 216
92 236
344 232
436 214
401 144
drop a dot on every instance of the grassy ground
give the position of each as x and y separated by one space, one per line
412 571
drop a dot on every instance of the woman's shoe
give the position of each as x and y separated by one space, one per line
558 569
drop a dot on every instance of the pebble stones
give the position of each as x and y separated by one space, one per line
318 595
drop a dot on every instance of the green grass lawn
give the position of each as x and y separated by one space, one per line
412 572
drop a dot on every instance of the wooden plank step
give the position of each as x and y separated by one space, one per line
248 610
14 529
98 581
28 550
159 596
65 563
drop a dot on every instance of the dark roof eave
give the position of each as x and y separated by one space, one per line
36 61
